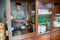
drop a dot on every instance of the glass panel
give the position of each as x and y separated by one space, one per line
32 15
20 18
44 17
56 22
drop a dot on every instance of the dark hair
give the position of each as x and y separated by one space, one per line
18 3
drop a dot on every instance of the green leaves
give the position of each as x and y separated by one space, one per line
41 19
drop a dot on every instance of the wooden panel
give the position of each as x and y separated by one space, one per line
55 35
57 8
20 37
29 38
23 1
55 29
44 37
56 1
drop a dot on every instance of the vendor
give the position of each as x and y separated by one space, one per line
18 16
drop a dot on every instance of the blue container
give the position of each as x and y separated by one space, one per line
57 15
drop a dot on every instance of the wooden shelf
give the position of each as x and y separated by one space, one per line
44 33
54 33
29 35
44 23
55 29
44 37
24 36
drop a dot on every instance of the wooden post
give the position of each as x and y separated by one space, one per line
36 19
8 19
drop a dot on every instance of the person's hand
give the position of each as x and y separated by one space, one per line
11 17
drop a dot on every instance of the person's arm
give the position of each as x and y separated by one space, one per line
16 20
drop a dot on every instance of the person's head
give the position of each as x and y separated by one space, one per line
18 6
